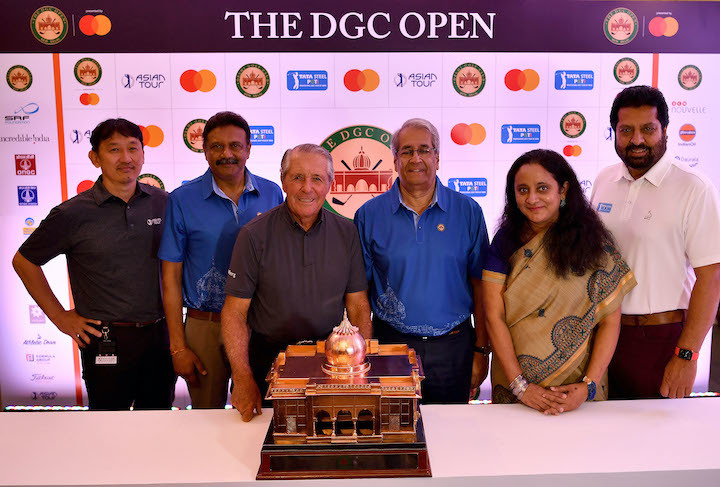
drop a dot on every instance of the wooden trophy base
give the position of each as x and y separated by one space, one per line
339 461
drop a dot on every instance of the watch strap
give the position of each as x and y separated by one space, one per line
686 354
483 350
592 388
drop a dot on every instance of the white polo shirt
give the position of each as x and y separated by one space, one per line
665 223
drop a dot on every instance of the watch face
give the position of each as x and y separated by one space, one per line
685 354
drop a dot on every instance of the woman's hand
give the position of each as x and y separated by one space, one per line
573 396
544 400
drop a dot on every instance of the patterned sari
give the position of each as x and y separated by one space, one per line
552 320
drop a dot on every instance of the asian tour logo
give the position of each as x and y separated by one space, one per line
87 71
468 79
193 134
574 80
415 80
315 81
363 164
520 134
365 80
148 80
690 77
91 25
19 78
49 25
473 134
527 80
620 26
626 71
469 186
252 80
572 124
203 80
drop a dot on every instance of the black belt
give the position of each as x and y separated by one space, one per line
133 324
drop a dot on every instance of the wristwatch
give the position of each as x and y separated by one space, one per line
483 350
592 388
686 354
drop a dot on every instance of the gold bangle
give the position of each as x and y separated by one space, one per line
172 354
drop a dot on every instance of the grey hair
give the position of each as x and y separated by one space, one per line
416 123
307 149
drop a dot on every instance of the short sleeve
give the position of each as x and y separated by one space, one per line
244 265
50 239
174 239
357 280
497 265
481 244
364 243
702 228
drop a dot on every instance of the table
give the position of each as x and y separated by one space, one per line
618 443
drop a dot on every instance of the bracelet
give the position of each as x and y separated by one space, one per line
519 385
173 353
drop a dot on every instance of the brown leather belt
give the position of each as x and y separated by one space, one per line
676 316
134 324
203 315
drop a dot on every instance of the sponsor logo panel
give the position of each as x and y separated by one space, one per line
307 81
527 79
468 79
25 165
23 114
91 25
586 186
29 228
472 134
620 26
415 80
152 135
84 185
572 150
87 71
663 26
19 78
470 186
203 80
574 80
687 134
152 180
252 80
690 77
48 25
626 71
27 195
573 124
37 316
520 133
262 135
192 134
143 81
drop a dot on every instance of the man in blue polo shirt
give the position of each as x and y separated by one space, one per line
203 219
424 247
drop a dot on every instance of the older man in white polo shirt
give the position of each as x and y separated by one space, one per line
666 220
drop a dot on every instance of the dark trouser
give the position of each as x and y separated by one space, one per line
637 368
143 377
446 360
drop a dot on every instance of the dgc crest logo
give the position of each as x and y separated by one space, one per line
87 71
252 80
620 26
468 79
572 124
49 25
363 164
151 180
19 78
192 134
690 77
626 71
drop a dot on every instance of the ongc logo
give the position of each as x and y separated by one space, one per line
152 135
95 25
366 80
472 134
517 80
89 99
202 80
663 26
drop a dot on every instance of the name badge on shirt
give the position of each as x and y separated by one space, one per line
107 349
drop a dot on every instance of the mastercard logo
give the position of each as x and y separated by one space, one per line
663 26
152 135
89 99
95 25
517 80
84 186
687 132
572 150
202 80
472 134
366 80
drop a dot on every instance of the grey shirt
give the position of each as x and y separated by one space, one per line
297 280
111 248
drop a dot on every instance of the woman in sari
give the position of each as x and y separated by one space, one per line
552 288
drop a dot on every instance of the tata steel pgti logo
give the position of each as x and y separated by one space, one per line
690 77
92 25
152 180
262 135
528 133
572 150
19 78
476 187
572 124
574 80
527 79
87 71
365 80
25 165
626 71
364 167
312 80
49 25
152 135
468 79
473 134
252 80
203 80
663 26
193 134
620 26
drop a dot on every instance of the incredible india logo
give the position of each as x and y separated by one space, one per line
364 167
49 25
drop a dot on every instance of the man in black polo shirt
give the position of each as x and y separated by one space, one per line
110 235
293 270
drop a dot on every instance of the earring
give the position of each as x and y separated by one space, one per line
562 203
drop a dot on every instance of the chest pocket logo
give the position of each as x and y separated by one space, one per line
154 221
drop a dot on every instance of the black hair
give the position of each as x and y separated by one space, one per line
577 241
639 96
108 128
221 119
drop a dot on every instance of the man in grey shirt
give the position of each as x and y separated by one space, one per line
293 270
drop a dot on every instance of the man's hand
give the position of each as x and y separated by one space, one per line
245 397
479 372
679 378
77 327
186 363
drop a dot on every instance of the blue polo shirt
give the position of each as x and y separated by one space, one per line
420 272
201 225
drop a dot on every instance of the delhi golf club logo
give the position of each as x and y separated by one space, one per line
468 79
620 26
573 124
88 71
626 71
19 78
49 25
193 134
363 165
690 77
152 180
252 80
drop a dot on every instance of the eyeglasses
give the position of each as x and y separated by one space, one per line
422 152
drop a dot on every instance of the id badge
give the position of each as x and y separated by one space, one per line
107 349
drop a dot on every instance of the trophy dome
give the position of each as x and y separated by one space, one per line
345 347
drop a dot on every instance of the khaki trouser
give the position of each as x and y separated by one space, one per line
204 338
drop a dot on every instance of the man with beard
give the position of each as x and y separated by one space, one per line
203 219
665 219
